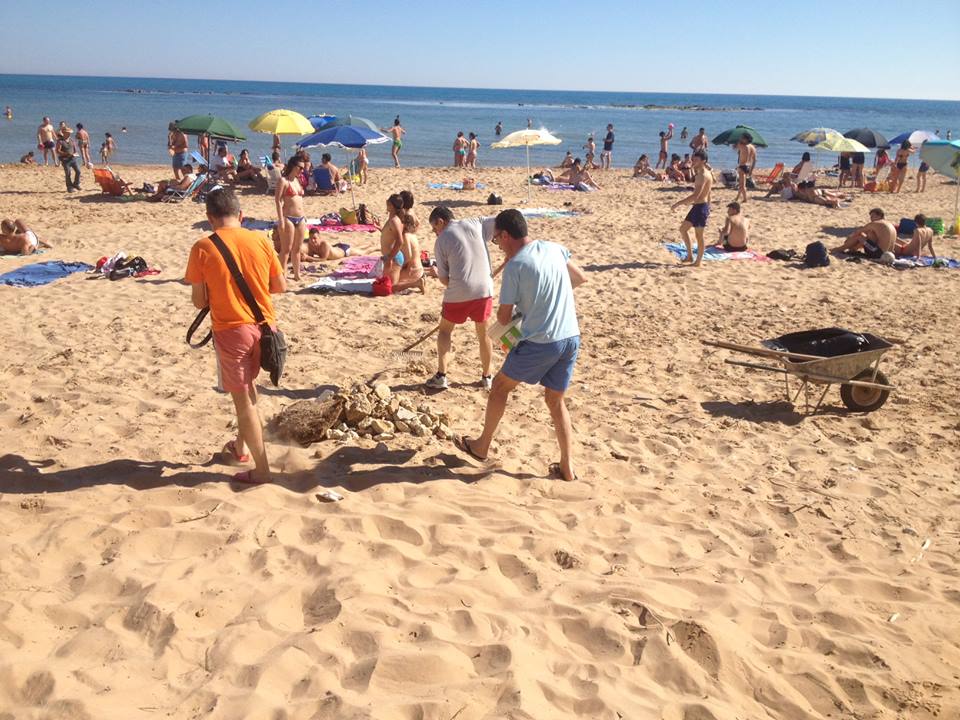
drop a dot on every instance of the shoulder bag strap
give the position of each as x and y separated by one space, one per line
238 277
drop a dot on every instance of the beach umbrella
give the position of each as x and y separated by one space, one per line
347 137
944 157
815 135
281 122
842 144
916 137
321 121
352 121
217 128
733 135
526 138
868 137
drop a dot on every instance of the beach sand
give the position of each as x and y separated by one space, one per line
722 557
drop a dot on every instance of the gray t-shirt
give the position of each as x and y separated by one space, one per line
463 259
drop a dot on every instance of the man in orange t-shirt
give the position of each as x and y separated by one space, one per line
236 335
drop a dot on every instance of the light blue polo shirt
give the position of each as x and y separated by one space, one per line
537 282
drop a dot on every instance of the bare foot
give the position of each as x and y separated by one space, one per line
422 284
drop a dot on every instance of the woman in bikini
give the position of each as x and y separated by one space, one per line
411 272
391 238
459 150
246 170
900 166
291 219
472 149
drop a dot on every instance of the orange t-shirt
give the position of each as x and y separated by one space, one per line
258 262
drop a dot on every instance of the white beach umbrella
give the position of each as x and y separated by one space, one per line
526 138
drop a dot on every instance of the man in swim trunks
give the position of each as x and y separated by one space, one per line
665 138
700 200
463 267
396 132
47 140
578 176
538 283
179 147
316 248
17 239
736 230
858 160
747 159
875 238
699 141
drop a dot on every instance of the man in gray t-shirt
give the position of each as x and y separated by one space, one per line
463 266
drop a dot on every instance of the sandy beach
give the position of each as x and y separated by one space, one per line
723 557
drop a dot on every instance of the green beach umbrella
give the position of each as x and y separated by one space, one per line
733 135
215 127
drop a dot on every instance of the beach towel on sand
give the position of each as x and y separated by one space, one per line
925 261
548 213
715 252
357 266
42 273
348 286
451 186
254 224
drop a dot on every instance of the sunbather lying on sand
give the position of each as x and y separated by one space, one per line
17 239
922 237
316 248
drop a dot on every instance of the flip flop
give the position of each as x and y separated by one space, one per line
556 472
230 449
246 478
461 442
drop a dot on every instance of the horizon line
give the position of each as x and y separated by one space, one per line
467 87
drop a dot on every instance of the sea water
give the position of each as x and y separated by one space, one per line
433 116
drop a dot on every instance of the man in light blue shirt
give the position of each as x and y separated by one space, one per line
538 283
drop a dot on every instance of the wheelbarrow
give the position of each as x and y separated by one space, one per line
850 360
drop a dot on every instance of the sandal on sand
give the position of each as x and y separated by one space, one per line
246 478
230 450
556 472
461 442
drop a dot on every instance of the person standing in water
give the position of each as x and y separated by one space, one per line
396 132
472 149
498 130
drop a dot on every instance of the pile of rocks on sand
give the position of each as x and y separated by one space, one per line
363 411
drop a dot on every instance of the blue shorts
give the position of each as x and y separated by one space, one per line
698 215
547 364
180 159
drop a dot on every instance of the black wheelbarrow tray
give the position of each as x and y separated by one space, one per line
838 357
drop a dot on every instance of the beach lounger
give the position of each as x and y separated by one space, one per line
271 172
110 184
772 177
174 195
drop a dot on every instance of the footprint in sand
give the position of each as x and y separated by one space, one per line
519 572
699 645
320 606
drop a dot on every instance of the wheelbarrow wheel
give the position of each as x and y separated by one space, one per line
865 399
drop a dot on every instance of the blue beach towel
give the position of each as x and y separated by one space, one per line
926 261
42 273
679 250
451 186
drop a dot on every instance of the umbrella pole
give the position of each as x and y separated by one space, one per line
528 173
353 199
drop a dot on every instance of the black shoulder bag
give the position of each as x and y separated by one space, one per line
273 344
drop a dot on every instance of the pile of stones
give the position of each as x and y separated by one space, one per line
363 411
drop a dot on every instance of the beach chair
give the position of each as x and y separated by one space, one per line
271 172
772 177
174 195
110 184
198 160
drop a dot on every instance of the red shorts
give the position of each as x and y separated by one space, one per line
238 354
476 310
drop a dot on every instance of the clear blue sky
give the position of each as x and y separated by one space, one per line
883 48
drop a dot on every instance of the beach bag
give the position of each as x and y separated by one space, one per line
128 267
273 344
816 255
382 286
348 217
494 199
935 224
469 184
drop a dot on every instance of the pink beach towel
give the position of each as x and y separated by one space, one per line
358 266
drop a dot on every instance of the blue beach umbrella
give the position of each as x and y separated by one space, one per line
353 121
916 137
321 121
944 157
